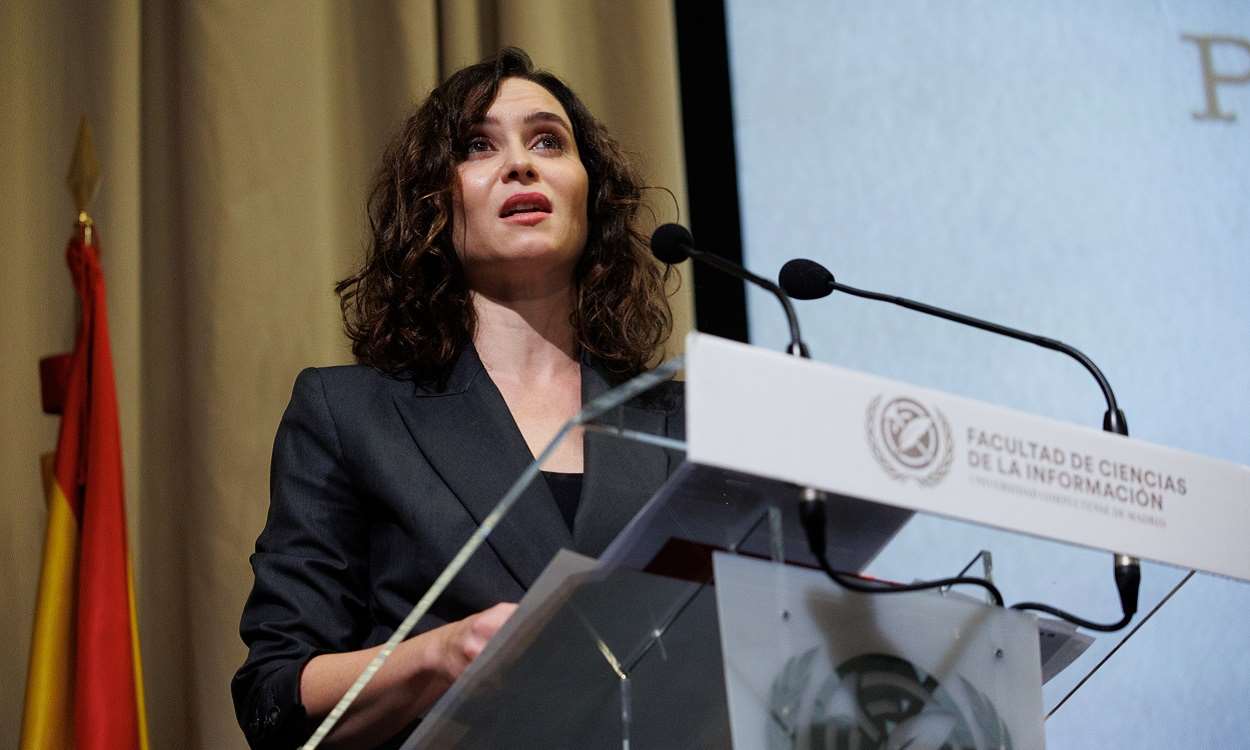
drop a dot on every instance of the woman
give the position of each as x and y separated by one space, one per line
505 284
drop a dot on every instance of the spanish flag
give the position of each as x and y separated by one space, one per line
84 685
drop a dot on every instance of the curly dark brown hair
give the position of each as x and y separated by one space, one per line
408 309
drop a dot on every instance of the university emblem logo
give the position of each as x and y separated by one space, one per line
879 702
910 441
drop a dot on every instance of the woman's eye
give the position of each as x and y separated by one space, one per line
477 145
550 142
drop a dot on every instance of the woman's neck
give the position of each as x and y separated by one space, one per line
528 336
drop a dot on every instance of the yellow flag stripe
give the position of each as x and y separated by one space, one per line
47 719
140 705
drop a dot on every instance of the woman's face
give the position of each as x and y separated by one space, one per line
521 204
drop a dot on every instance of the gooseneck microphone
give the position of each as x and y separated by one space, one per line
806 279
673 243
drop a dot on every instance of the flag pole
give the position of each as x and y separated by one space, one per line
83 181
84 178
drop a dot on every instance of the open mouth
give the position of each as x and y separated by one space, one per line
525 204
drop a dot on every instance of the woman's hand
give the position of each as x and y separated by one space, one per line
464 640
417 674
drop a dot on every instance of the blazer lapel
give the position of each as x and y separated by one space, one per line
470 439
621 475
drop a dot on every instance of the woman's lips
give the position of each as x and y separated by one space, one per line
525 209
527 219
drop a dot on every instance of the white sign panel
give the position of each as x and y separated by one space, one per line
818 425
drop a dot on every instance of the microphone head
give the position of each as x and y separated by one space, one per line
805 279
671 243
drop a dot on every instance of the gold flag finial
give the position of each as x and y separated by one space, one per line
84 171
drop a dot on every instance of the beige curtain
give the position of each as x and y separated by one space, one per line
236 142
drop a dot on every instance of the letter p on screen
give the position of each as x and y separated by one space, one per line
1212 78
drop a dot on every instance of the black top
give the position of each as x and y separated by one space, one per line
567 491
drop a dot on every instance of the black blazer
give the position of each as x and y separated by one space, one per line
374 486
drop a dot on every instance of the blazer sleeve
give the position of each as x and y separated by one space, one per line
311 571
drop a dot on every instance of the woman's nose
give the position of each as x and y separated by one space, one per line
520 167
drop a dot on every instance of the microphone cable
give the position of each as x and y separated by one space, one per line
812 517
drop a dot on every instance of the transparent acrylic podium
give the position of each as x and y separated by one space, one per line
626 651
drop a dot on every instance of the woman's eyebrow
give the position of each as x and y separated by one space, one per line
532 117
540 116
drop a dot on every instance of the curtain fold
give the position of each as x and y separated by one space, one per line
237 142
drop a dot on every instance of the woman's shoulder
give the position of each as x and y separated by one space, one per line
357 377
671 395
668 397
347 392
358 407
350 380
